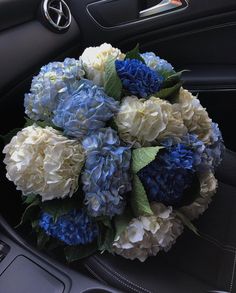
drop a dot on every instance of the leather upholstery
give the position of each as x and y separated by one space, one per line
227 170
195 264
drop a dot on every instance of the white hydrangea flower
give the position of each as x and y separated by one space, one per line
142 122
195 117
147 235
94 59
42 161
175 128
208 187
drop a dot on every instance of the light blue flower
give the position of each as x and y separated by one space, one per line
73 228
216 150
55 82
87 109
106 176
156 63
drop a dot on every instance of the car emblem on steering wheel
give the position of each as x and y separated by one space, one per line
57 13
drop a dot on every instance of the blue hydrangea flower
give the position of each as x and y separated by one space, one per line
202 162
87 109
206 157
106 176
73 228
156 63
55 82
137 78
166 178
215 151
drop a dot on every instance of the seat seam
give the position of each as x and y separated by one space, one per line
107 267
95 274
233 274
130 285
220 245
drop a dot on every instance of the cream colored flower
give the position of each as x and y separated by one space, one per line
145 122
195 117
94 59
175 127
42 161
208 189
146 236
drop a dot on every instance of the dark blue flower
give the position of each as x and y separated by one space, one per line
106 175
73 228
169 175
86 110
138 78
205 157
202 162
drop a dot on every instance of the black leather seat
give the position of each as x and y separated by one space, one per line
195 264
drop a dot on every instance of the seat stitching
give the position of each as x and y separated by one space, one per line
121 276
110 273
211 239
108 269
94 274
233 274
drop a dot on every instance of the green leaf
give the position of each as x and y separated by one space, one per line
30 122
187 222
29 212
42 124
173 79
113 124
139 200
59 207
29 198
8 137
42 239
142 157
166 73
74 253
113 85
106 222
106 243
168 93
122 221
134 54
35 224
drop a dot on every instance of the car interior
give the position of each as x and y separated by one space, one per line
196 35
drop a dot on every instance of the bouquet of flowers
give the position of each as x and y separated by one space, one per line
115 155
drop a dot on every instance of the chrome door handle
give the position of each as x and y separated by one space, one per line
164 6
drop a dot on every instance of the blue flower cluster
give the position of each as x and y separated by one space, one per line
216 150
106 175
137 78
73 228
206 157
156 63
86 110
166 178
56 81
202 162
